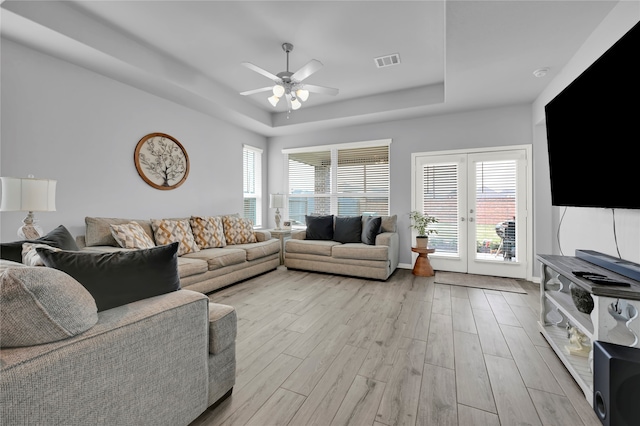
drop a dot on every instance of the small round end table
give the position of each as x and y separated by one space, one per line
422 267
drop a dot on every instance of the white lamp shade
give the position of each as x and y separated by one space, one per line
302 94
278 90
273 100
295 104
277 201
28 194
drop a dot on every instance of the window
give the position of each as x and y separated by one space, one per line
346 179
252 184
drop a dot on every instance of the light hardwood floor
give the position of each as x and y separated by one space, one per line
318 349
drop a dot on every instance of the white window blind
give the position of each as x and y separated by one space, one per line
252 184
495 198
346 180
440 199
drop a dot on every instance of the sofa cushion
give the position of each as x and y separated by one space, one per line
389 223
222 327
348 229
259 250
131 235
370 229
121 277
322 248
360 251
167 231
238 230
319 227
217 258
189 267
208 231
98 230
42 305
59 238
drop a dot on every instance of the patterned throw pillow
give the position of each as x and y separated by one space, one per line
238 230
167 231
208 231
131 236
30 256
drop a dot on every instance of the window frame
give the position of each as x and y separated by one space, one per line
257 183
333 195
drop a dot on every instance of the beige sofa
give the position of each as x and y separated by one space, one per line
205 270
376 261
157 361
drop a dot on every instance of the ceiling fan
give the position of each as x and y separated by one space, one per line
289 84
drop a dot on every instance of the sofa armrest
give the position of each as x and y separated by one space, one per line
391 239
262 235
223 326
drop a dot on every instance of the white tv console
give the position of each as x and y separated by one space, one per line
614 317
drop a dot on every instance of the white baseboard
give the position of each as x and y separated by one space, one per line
405 266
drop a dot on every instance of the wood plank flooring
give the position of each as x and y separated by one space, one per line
319 349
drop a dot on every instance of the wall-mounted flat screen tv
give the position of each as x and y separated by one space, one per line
593 132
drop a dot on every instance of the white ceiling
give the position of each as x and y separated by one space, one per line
455 55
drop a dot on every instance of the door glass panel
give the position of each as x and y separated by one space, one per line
495 214
440 199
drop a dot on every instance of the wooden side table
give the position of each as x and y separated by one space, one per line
283 235
422 267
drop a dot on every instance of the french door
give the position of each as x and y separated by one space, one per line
480 200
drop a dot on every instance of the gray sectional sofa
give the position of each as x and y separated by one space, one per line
376 260
158 361
203 271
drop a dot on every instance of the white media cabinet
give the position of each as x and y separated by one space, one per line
614 317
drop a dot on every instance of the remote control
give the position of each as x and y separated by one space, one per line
609 281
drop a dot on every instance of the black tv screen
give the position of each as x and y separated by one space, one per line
593 132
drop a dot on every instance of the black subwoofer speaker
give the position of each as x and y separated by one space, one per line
616 384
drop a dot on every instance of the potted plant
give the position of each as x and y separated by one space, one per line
421 222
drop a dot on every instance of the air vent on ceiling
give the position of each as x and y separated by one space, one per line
387 61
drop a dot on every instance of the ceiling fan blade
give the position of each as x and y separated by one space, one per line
308 69
251 92
320 89
264 72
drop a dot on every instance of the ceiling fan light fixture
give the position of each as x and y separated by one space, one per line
273 100
302 94
278 90
295 104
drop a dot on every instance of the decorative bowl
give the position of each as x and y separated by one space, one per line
581 298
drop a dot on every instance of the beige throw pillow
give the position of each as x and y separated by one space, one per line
30 256
167 231
131 236
208 231
238 230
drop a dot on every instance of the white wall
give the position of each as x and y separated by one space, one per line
483 128
63 122
561 230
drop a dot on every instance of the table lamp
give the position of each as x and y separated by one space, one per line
28 195
277 201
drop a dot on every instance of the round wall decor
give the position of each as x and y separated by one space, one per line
161 161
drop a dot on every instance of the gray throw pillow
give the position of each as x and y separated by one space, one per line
42 305
348 229
371 229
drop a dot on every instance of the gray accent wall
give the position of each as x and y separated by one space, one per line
64 122
504 126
